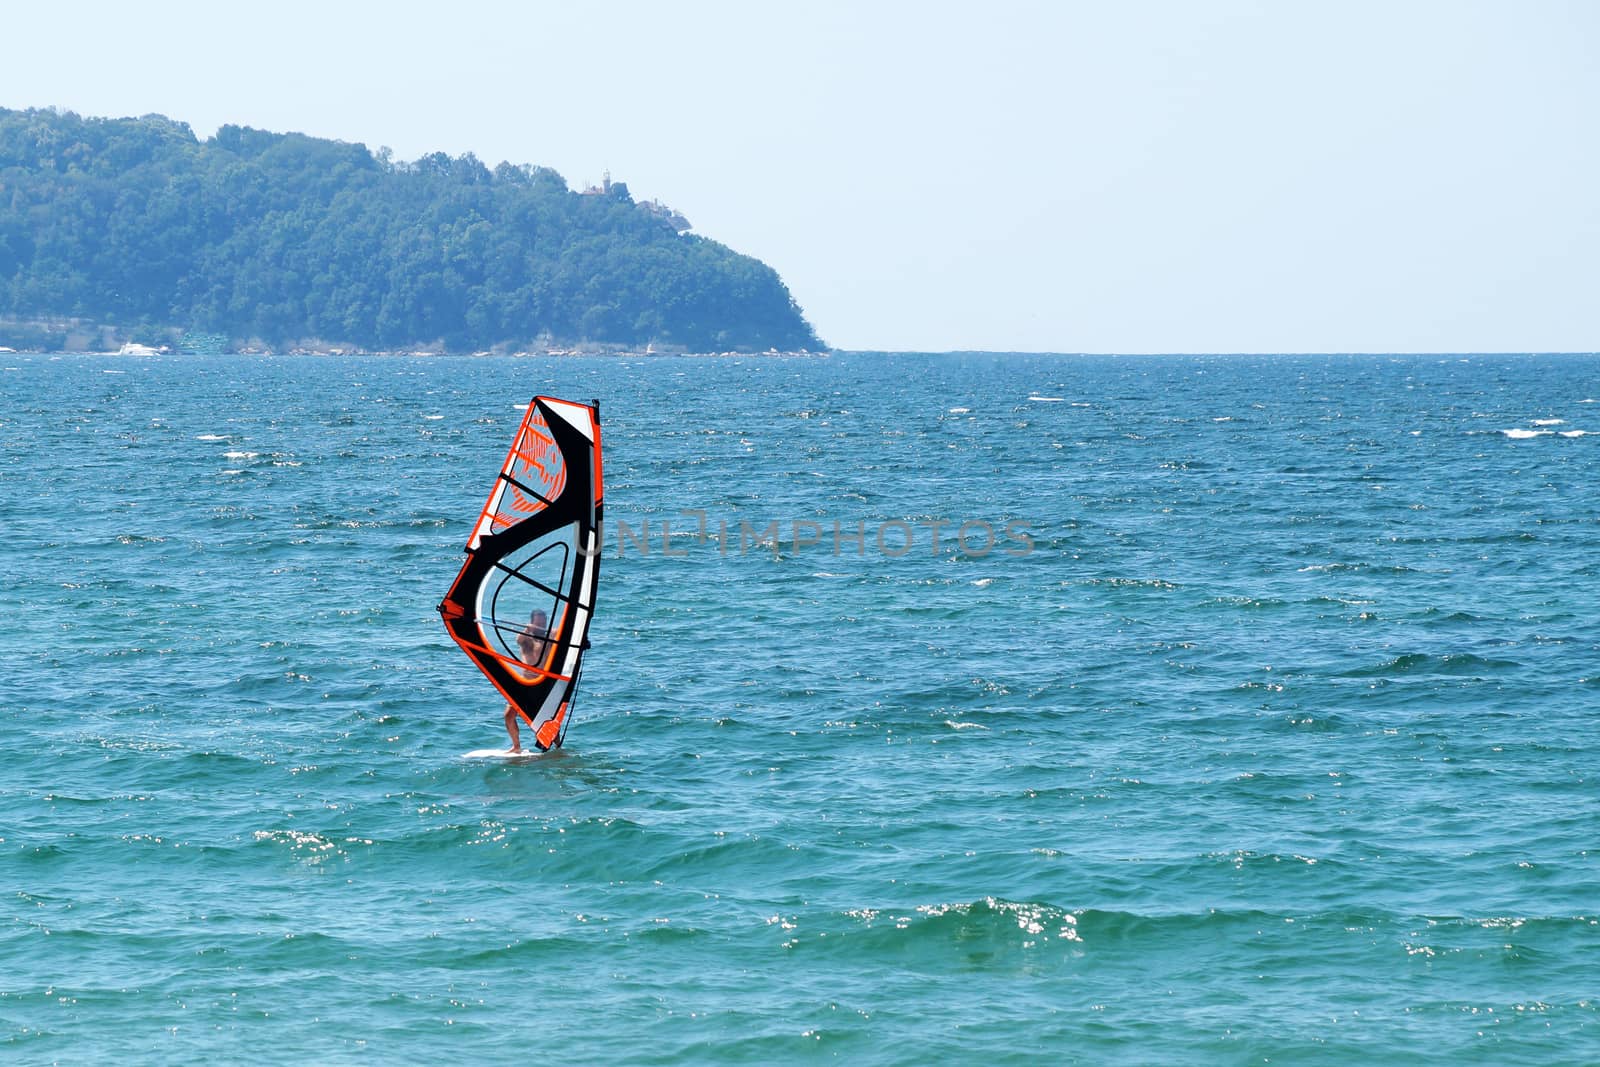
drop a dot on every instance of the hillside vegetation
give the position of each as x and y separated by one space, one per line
284 238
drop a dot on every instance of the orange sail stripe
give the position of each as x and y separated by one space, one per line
527 457
536 462
551 730
516 666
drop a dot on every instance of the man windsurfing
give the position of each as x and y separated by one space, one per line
531 644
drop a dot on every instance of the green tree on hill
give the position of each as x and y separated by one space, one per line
287 237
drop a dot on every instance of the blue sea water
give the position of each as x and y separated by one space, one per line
1268 731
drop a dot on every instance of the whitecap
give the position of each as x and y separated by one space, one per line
1048 399
954 725
210 437
1575 433
959 411
432 418
241 455
1522 435
1548 422
982 583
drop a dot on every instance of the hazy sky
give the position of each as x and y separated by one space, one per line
1106 177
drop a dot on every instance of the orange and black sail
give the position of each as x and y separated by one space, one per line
522 604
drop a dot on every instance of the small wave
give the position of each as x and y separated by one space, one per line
1421 663
1357 567
1575 433
1342 601
983 925
959 411
1048 399
1523 435
1440 617
211 437
1500 537
309 848
1242 601
1548 422
982 583
1144 583
241 455
924 936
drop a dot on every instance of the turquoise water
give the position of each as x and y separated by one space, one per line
1271 734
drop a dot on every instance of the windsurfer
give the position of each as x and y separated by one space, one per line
531 644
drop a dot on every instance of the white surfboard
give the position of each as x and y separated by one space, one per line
500 753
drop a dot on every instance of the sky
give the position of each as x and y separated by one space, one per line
1119 176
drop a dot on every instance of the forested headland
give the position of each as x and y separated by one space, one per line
278 240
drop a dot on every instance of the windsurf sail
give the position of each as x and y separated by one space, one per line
522 604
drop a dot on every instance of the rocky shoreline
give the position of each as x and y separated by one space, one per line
77 337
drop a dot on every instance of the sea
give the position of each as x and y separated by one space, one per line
992 709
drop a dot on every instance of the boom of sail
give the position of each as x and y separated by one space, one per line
522 604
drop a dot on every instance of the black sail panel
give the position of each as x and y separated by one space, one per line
521 606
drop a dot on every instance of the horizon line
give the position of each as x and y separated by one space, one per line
1238 352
